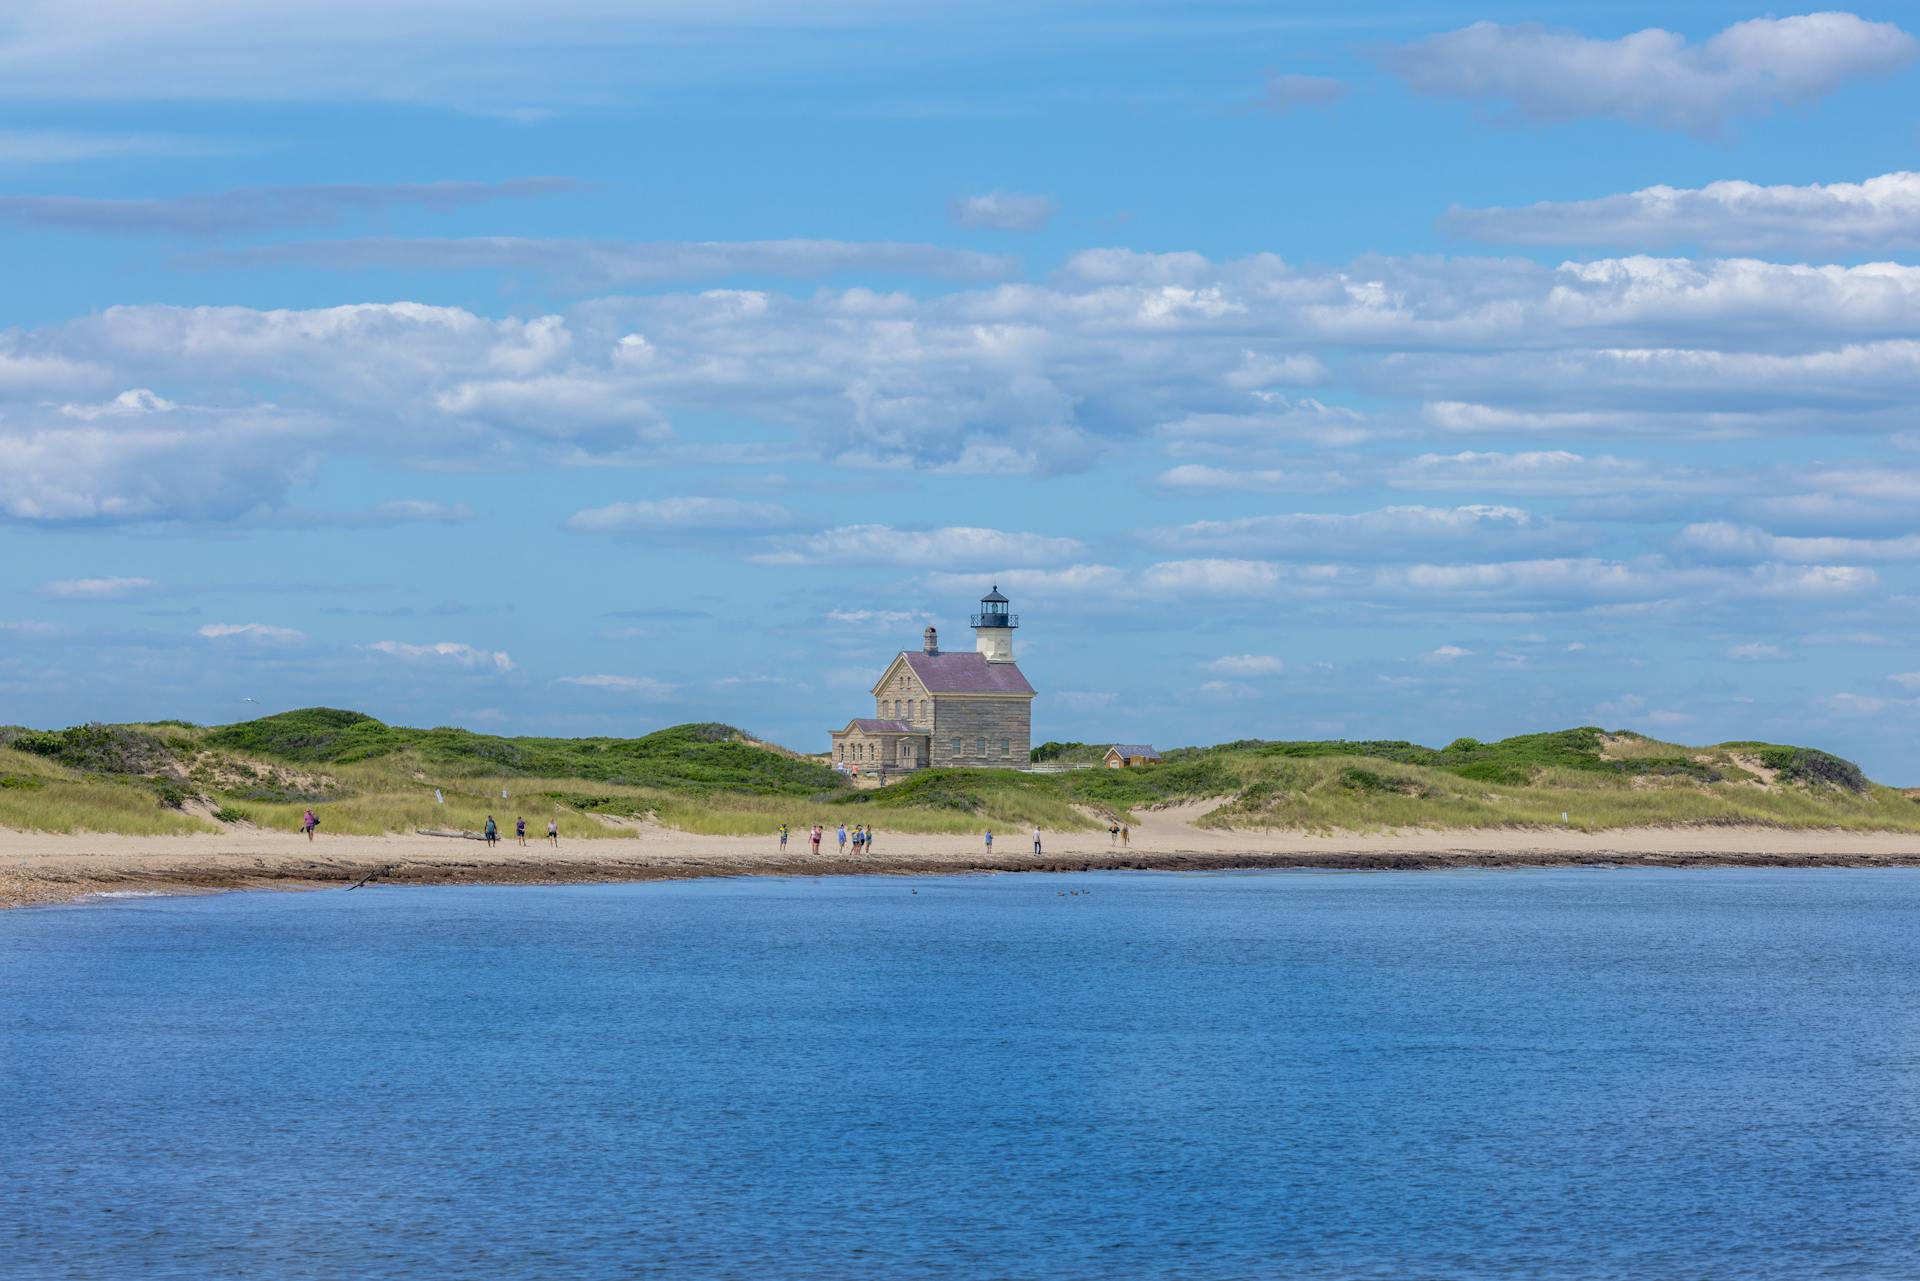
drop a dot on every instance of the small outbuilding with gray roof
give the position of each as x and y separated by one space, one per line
1123 755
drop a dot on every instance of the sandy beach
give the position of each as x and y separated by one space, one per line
37 868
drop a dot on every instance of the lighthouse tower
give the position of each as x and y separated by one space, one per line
993 628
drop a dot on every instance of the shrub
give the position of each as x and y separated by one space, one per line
1499 773
1813 767
102 749
227 814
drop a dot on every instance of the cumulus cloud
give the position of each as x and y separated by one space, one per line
1389 531
96 588
1003 211
1445 654
660 515
1273 480
1244 665
1285 92
596 264
249 209
641 687
1721 540
1907 680
1014 378
953 545
1880 215
259 633
1652 77
1550 472
877 617
451 652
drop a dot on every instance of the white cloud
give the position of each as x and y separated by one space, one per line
1445 654
259 633
1880 215
257 208
1849 704
1247 665
1197 476
1285 92
454 652
1003 211
601 264
691 513
23 147
1224 577
1014 378
1627 705
642 687
1365 535
1721 540
1236 690
954 545
1070 582
1277 421
877 617
1907 680
1653 76
1756 652
1548 472
96 588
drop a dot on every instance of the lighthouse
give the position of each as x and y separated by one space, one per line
993 628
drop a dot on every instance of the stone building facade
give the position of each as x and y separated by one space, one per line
935 707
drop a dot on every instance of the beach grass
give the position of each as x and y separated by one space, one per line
364 777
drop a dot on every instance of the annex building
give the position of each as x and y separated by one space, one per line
935 707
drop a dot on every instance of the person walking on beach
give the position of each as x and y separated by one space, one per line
843 840
308 822
869 840
989 840
1113 832
553 832
783 838
1126 837
520 830
814 835
1036 842
492 831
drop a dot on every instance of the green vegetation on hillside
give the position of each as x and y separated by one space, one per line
365 776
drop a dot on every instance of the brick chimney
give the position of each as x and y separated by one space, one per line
932 645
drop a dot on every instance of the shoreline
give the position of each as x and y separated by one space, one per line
41 869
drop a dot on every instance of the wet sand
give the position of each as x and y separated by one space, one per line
36 868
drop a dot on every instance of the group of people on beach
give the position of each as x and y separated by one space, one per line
861 837
492 831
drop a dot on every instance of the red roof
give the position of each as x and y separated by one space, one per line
965 672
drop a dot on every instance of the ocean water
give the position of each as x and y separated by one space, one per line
1543 1075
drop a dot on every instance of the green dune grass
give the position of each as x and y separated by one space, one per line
367 777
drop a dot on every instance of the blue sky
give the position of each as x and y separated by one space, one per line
1368 372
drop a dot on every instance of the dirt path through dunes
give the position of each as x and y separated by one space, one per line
39 868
